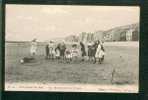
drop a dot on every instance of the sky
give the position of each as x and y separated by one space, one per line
45 22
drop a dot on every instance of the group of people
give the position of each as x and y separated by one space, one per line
94 51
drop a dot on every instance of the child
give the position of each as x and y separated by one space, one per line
68 55
57 53
102 53
51 53
74 52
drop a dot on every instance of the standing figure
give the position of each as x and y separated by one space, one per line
83 52
57 52
100 53
74 52
94 50
62 50
90 56
33 49
47 51
68 55
51 50
92 47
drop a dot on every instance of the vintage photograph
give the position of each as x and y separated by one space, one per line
72 48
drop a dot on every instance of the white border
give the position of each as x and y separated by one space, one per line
56 87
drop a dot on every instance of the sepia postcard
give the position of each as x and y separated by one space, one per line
72 48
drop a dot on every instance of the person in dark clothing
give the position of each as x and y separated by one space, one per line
57 52
83 52
47 51
95 46
90 52
62 50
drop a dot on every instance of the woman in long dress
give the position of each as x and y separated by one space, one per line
100 52
57 52
51 50
33 49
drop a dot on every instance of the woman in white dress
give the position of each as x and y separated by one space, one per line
100 53
51 50
57 52
74 52
33 49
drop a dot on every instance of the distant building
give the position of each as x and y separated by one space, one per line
135 35
123 33
129 35
132 35
108 37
